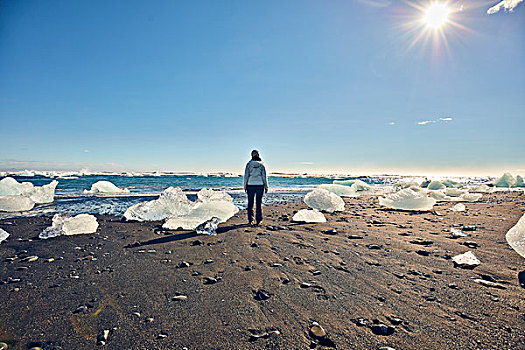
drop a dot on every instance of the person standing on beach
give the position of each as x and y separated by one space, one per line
255 185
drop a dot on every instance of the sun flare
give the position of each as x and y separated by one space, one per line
436 15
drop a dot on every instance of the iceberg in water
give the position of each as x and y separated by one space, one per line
309 216
65 225
516 236
323 200
105 187
171 202
358 185
3 235
340 190
407 199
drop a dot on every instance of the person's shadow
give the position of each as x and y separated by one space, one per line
182 235
521 278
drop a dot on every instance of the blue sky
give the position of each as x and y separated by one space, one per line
317 86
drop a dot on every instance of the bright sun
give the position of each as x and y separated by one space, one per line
436 15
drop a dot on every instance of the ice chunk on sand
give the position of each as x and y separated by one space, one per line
105 187
455 233
3 235
436 185
463 197
516 236
200 213
519 182
309 216
207 195
451 183
454 192
361 186
340 190
358 185
439 196
471 197
407 199
9 187
15 203
65 225
172 202
506 180
458 207
323 200
344 182
480 189
209 227
38 194
404 184
466 260
44 194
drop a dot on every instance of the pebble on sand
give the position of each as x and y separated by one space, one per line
466 260
317 330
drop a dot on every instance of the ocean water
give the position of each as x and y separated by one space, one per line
70 197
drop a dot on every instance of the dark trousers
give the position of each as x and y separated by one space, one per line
255 192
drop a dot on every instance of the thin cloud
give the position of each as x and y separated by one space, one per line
18 164
392 123
376 3
425 122
306 163
506 5
87 151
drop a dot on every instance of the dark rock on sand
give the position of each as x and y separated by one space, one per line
261 294
471 244
422 242
360 322
184 264
209 280
382 329
395 320
521 278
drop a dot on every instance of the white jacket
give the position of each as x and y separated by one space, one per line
255 174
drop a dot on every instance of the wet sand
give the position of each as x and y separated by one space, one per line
262 287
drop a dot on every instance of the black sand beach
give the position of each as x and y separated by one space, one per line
263 287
